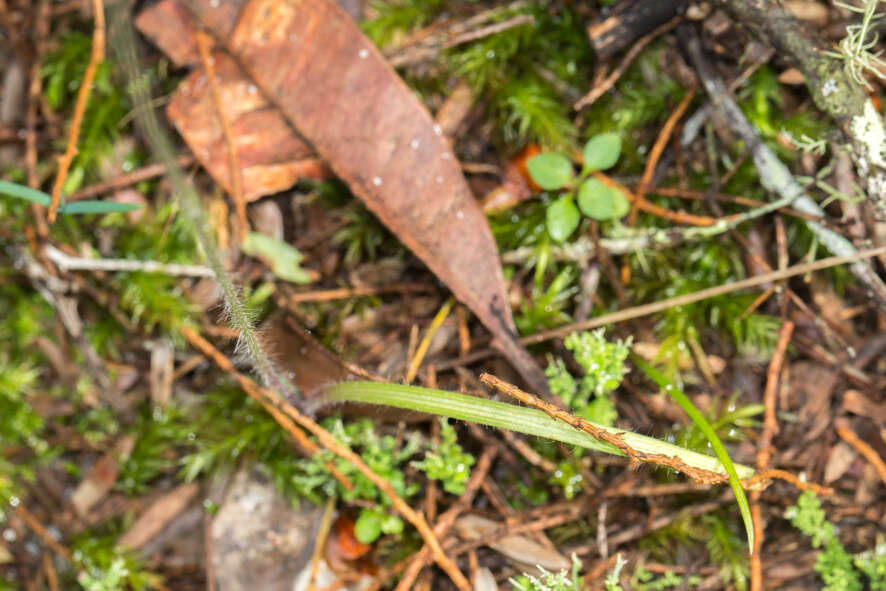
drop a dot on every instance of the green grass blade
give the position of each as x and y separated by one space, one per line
97 207
26 193
706 428
494 413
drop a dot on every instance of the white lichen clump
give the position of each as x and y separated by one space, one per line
868 129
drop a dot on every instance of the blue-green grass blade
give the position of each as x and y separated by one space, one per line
97 207
26 193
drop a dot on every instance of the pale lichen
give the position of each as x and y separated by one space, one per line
868 130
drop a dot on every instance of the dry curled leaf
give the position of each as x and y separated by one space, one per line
339 95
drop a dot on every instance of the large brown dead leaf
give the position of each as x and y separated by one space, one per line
340 96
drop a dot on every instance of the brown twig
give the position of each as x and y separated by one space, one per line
130 178
342 293
35 526
862 447
283 408
599 90
539 524
761 478
259 395
447 519
204 42
647 309
658 148
678 217
51 574
770 428
35 90
600 434
422 349
701 195
96 56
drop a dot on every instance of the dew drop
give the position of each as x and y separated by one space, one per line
490 54
214 3
14 501
363 53
376 180
292 375
439 179
9 535
414 144
460 214
445 155
252 89
437 129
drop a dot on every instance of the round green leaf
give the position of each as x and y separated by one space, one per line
602 151
550 171
562 218
600 202
391 524
367 528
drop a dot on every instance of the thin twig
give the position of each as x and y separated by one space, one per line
447 519
66 262
678 217
130 178
599 90
770 428
342 293
260 395
35 89
415 361
96 56
862 447
658 148
601 434
283 408
38 528
429 48
703 294
204 41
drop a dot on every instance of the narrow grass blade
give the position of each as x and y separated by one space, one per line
97 207
26 193
494 413
706 428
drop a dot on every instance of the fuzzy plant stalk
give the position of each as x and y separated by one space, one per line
123 44
502 415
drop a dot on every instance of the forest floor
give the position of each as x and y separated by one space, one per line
278 278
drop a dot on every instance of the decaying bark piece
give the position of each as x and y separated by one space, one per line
335 89
774 175
834 91
628 21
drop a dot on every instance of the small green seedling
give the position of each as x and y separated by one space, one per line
41 198
838 569
554 172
